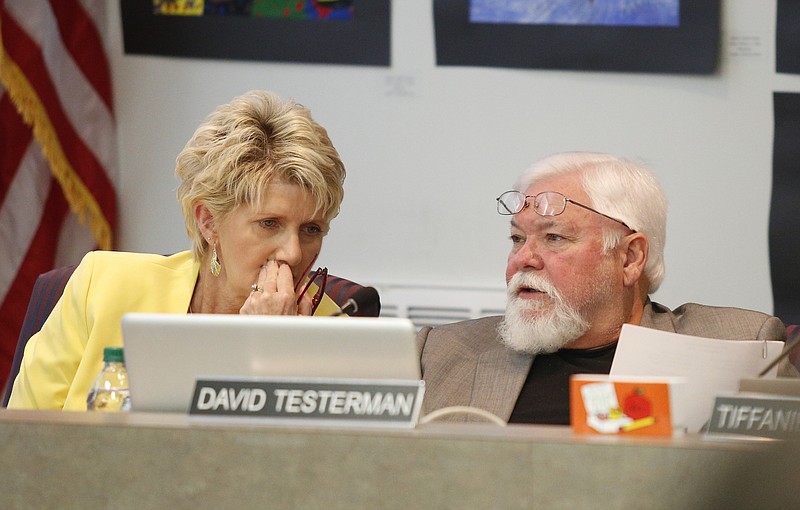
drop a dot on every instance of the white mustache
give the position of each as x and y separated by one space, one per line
526 280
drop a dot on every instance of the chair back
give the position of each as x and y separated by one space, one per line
49 287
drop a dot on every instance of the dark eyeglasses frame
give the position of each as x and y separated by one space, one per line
317 299
501 206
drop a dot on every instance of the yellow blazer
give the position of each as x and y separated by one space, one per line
62 360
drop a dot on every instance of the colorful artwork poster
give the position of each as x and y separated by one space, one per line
293 9
355 32
657 36
646 13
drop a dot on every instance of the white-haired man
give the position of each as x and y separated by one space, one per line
587 249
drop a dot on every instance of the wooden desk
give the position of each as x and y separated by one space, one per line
92 460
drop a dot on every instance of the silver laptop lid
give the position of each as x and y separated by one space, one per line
166 353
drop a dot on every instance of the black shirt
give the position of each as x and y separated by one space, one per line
544 398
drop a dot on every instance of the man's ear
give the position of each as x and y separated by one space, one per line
636 247
205 220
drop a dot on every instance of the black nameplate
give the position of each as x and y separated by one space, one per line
756 415
329 400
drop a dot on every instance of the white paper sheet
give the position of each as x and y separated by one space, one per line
710 366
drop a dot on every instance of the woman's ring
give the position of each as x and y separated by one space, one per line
256 288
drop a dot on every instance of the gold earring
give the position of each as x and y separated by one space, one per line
216 267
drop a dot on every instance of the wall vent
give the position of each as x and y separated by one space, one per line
435 306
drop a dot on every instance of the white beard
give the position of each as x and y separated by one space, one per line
548 332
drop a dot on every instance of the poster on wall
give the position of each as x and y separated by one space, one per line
787 37
353 32
784 212
657 36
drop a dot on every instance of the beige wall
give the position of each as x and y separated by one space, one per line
426 160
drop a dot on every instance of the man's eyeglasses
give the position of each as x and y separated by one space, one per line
546 203
321 272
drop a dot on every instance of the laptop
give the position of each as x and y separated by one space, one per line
166 353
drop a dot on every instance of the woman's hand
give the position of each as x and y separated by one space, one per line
274 293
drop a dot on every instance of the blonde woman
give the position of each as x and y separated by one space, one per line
260 183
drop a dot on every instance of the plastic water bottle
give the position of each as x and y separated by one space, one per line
110 392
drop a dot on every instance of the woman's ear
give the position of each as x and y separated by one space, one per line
635 258
205 220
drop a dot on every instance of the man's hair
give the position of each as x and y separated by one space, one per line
619 188
243 146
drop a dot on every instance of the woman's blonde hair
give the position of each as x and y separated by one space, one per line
256 139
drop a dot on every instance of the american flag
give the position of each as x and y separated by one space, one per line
57 147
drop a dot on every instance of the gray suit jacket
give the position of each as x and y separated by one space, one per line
466 363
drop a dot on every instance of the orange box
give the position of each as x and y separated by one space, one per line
604 404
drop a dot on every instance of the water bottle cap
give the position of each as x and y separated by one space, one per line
114 354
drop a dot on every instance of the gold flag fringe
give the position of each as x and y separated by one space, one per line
30 107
